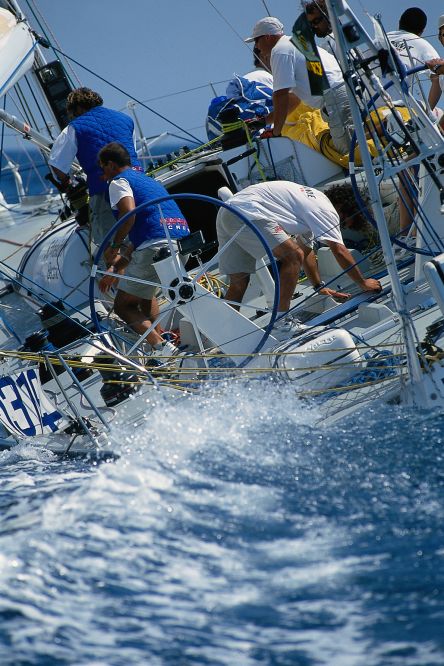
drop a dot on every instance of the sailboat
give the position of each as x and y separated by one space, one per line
71 368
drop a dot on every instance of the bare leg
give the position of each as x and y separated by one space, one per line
151 309
291 257
128 308
238 287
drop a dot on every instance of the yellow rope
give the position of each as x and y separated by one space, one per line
241 124
212 283
74 362
183 157
175 383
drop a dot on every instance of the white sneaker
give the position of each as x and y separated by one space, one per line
403 252
161 355
166 349
287 327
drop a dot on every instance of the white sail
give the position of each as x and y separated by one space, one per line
16 50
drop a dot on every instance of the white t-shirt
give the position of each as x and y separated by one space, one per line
407 43
328 43
412 50
298 209
260 76
118 189
289 69
64 150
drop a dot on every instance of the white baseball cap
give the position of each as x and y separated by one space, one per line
266 26
441 22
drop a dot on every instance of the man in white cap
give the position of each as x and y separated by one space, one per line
291 83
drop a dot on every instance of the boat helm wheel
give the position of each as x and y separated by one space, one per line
193 304
181 290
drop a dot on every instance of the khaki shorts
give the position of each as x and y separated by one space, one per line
242 253
101 217
141 267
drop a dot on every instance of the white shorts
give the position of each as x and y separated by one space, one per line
242 253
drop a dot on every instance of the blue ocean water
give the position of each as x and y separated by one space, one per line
233 529
33 169
33 166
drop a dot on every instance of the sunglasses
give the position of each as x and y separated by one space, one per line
441 33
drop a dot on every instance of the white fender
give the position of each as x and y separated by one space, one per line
334 352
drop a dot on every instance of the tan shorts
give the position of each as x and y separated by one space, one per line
141 267
242 253
101 217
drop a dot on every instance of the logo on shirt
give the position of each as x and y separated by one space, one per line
177 223
309 193
401 46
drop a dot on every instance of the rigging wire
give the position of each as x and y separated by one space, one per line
2 141
26 110
126 93
33 168
266 8
39 107
180 92
44 26
230 25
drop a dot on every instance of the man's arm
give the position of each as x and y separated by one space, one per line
310 266
62 155
124 206
281 104
61 176
435 91
111 276
346 261
293 102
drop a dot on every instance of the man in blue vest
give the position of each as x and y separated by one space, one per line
92 127
135 302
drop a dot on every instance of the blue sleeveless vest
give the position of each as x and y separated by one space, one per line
94 129
148 225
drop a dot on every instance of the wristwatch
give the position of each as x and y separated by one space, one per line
320 285
436 67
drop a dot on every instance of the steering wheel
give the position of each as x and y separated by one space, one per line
181 290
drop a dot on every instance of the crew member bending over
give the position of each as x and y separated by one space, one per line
92 127
135 303
277 209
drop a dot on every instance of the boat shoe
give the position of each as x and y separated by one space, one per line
287 327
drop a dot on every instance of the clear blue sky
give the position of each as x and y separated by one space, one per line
154 48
